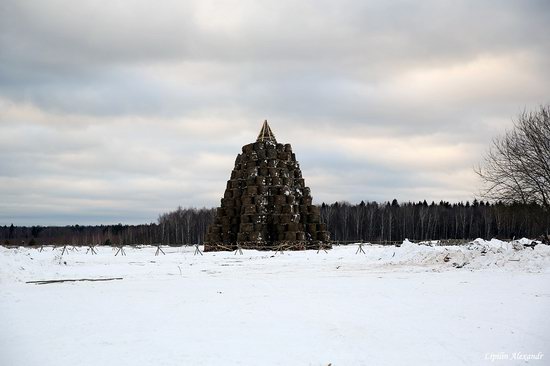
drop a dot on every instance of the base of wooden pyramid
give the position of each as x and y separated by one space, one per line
275 246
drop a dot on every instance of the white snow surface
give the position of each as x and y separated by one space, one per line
486 302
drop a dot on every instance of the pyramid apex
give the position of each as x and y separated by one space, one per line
266 134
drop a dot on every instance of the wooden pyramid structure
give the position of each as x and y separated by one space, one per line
266 204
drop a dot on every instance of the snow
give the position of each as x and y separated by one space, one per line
421 304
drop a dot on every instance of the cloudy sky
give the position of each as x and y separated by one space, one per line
116 111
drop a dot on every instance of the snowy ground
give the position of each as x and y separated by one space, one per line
484 303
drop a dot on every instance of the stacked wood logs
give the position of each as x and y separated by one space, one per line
266 204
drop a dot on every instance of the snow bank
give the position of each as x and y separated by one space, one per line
477 255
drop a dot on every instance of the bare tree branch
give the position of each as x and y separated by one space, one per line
517 166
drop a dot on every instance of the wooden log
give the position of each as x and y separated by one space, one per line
247 199
252 172
260 227
323 236
271 153
284 156
246 227
287 209
296 217
256 236
280 200
311 228
313 218
250 209
294 226
285 218
314 210
258 219
290 235
247 149
276 181
228 202
306 201
45 282
252 190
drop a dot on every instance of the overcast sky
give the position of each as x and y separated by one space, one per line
116 111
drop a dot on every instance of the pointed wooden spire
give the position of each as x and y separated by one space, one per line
266 134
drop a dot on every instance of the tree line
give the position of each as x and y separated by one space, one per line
422 221
179 227
366 221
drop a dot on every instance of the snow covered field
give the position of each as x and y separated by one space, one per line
484 303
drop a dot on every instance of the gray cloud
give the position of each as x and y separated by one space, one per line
117 111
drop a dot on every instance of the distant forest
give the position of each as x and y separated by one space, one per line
370 221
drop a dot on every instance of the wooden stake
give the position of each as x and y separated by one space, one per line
279 249
197 250
159 250
120 250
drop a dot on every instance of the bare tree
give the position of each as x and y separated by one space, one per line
517 166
